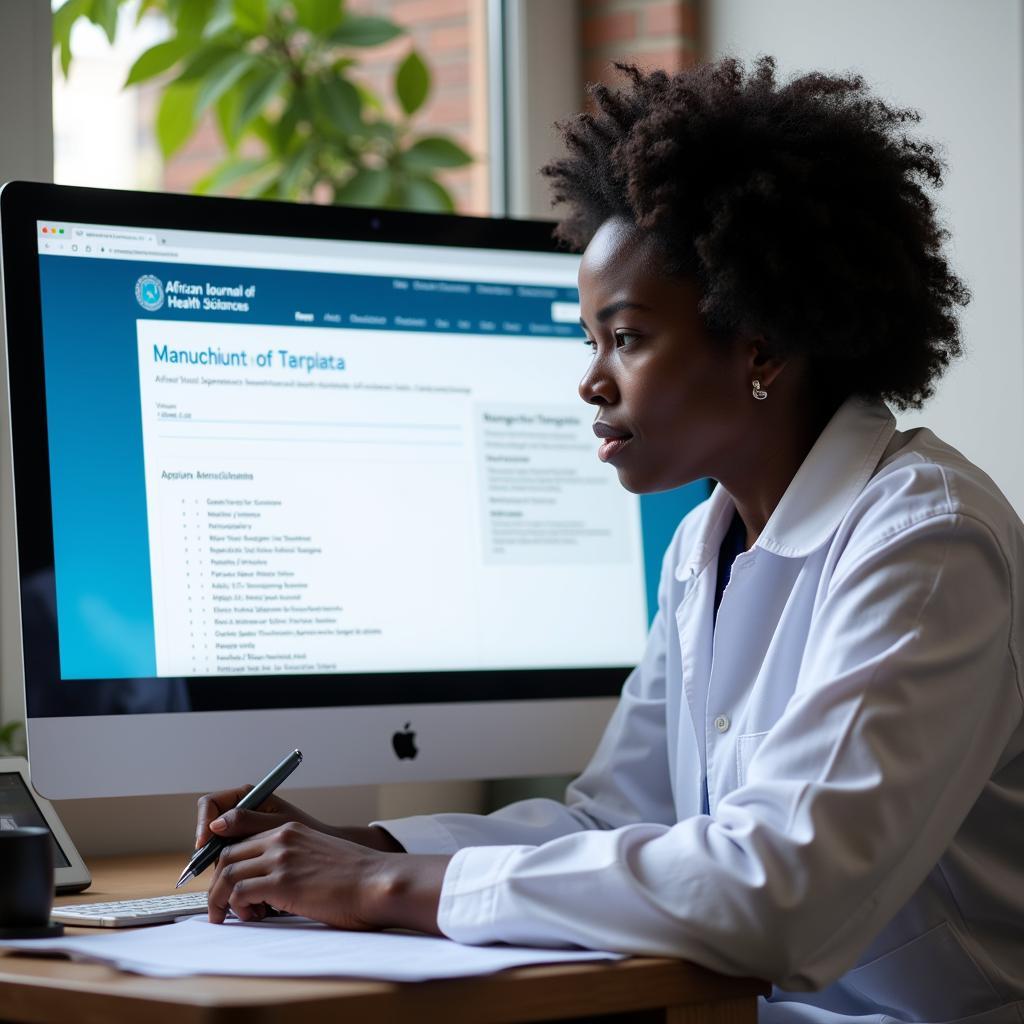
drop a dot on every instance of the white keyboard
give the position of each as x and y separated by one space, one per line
131 913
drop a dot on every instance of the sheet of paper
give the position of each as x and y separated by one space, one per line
293 947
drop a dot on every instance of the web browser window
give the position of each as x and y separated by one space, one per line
276 455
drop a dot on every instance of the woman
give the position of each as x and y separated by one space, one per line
816 774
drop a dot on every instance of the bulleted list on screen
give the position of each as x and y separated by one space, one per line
253 594
335 500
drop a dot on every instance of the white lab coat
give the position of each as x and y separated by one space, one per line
857 710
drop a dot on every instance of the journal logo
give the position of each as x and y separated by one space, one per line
149 292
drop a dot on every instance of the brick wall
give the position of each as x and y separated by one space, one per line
653 33
450 35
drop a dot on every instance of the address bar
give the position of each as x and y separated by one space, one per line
256 259
164 254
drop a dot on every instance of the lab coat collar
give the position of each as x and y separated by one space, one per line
834 472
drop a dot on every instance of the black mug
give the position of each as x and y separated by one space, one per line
26 883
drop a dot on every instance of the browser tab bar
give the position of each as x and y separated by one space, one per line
90 234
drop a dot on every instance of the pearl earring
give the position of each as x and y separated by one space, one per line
758 393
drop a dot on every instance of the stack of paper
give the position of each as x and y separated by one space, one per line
293 947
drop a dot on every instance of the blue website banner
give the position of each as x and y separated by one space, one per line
229 295
90 313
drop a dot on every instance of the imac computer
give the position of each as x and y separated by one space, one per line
298 476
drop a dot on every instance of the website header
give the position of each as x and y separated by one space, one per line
215 294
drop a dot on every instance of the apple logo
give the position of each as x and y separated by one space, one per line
404 743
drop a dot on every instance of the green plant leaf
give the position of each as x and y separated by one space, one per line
370 98
425 194
362 30
221 77
321 17
295 166
156 60
222 20
284 130
65 57
64 19
263 130
193 17
367 187
104 13
227 114
205 58
302 101
8 731
342 104
175 117
380 136
145 6
435 151
258 92
412 83
230 171
265 188
251 16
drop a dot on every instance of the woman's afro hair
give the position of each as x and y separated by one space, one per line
800 209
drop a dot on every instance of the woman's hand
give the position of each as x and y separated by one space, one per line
302 871
219 816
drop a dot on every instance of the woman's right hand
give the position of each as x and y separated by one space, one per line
219 816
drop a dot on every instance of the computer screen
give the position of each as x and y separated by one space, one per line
268 476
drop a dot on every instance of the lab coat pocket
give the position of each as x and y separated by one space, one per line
746 745
931 977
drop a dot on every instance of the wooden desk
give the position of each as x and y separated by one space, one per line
647 989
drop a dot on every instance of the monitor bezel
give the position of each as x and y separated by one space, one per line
23 204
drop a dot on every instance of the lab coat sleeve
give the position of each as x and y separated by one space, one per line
626 781
905 697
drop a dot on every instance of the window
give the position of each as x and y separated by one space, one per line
105 136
